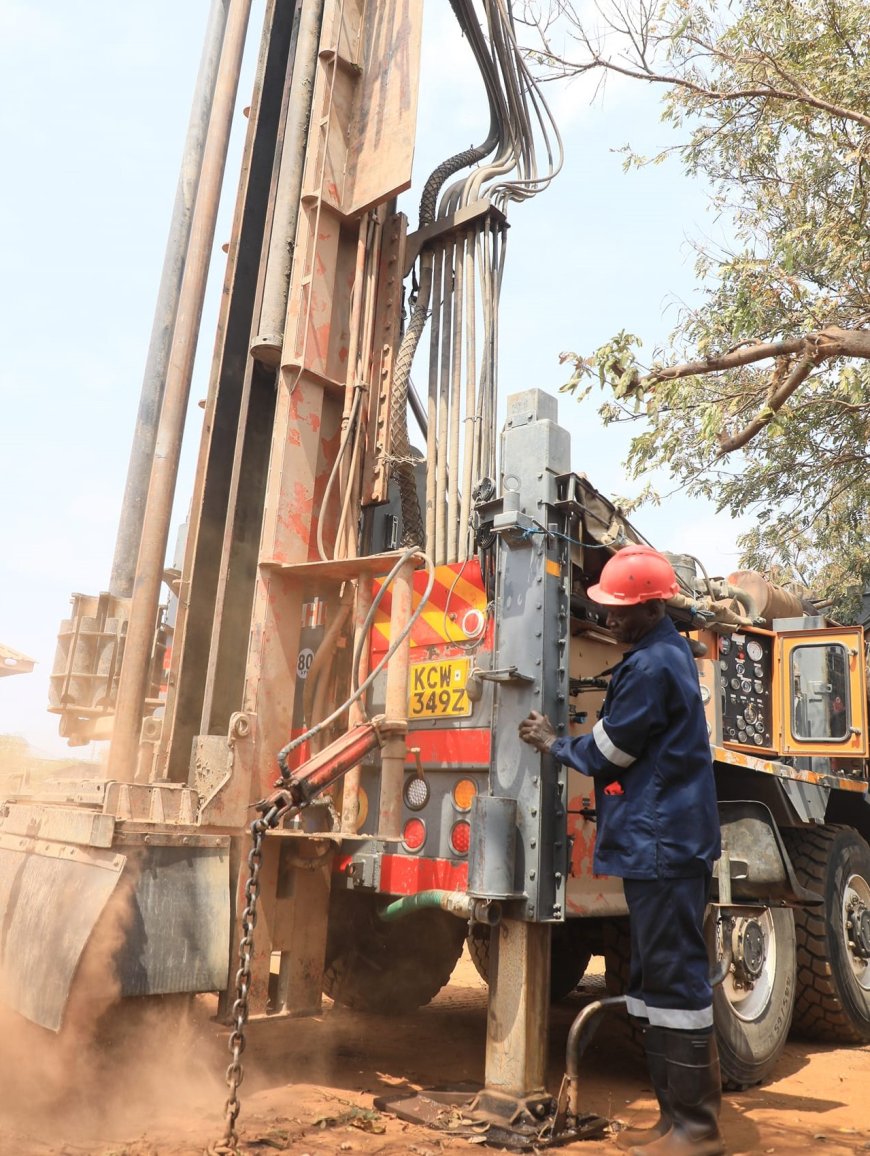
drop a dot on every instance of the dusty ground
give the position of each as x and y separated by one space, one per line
310 1084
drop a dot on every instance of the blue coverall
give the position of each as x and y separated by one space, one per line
658 825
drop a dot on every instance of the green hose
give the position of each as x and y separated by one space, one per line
408 904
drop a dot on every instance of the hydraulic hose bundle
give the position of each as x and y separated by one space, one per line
459 284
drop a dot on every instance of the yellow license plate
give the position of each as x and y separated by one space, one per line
438 689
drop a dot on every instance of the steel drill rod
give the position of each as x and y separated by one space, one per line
465 548
453 471
135 670
446 367
266 346
432 447
166 309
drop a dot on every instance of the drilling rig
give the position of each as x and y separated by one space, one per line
319 724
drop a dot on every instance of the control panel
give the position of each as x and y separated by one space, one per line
746 670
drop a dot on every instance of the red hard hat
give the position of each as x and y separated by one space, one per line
636 574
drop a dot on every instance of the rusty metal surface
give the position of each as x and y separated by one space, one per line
783 771
312 574
518 1008
751 838
177 927
381 149
454 1111
385 340
50 894
58 824
139 835
151 802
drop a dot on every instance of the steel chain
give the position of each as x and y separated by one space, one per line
229 1144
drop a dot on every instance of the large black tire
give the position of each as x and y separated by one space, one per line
569 956
388 968
833 994
751 1023
752 1014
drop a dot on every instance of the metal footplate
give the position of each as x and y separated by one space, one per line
520 1124
492 1118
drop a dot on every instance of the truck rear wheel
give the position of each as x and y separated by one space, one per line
388 968
752 1007
833 997
569 956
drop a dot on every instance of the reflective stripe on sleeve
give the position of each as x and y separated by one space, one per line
612 753
681 1018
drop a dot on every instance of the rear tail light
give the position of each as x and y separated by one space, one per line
460 837
414 834
463 793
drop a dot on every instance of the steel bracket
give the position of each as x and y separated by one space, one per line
505 674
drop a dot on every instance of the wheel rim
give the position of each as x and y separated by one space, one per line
748 986
855 921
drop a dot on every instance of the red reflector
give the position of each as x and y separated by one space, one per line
414 834
460 837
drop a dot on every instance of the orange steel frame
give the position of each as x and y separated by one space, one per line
270 441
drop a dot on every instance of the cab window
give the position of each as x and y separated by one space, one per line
820 692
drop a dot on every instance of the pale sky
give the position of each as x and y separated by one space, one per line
94 102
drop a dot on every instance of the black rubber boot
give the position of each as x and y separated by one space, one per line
654 1046
695 1092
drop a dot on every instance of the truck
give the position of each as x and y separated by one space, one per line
314 783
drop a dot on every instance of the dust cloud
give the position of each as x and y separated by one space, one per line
116 1068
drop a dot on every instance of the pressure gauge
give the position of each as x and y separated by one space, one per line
724 645
750 712
745 685
758 686
754 650
758 740
735 684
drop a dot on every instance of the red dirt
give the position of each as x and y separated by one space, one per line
157 1088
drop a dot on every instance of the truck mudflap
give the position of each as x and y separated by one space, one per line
51 896
177 923
151 920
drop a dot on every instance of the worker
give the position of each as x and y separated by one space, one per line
658 829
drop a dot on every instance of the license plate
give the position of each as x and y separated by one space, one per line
438 689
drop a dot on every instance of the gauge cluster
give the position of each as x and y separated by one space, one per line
745 668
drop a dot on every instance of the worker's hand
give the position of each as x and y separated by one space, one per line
538 732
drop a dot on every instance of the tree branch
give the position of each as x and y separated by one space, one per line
810 350
801 96
774 404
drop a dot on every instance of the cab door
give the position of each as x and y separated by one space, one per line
823 692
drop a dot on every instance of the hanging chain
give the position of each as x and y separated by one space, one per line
278 806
